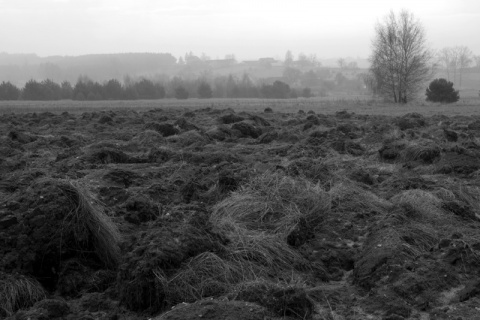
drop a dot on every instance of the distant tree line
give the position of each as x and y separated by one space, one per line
86 89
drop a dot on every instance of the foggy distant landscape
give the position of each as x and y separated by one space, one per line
241 160
337 77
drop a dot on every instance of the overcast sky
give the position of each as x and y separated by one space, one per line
247 28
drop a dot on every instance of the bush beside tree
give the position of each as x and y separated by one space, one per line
441 90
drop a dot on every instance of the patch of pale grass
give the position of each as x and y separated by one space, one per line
18 292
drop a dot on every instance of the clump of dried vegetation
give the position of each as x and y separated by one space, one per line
18 292
87 221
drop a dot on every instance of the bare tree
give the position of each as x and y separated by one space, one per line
464 59
445 57
454 62
477 61
401 63
342 63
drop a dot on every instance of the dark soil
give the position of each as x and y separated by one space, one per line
359 217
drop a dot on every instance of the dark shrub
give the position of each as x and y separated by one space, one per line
441 90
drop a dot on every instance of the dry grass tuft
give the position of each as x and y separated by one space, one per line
259 253
347 196
148 138
426 204
18 292
188 138
427 152
204 275
87 221
273 203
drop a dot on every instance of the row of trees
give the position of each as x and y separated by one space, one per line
86 89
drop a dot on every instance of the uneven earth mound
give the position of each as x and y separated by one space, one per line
214 214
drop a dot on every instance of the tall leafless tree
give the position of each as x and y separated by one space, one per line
464 59
401 63
445 58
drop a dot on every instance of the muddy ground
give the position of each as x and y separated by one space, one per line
217 214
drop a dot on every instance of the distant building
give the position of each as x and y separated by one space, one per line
262 62
220 63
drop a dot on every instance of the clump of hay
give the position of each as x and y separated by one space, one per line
148 138
87 222
260 253
204 275
188 138
425 152
18 292
347 196
425 203
272 202
220 133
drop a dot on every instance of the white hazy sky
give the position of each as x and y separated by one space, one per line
249 29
